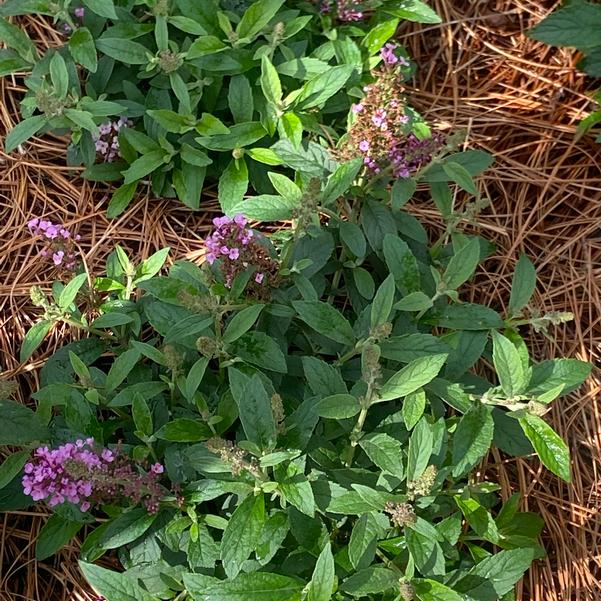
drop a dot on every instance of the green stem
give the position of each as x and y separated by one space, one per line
94 331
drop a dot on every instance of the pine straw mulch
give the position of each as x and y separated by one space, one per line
516 98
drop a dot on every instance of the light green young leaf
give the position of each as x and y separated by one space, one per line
551 449
265 207
479 519
270 82
286 187
414 405
322 87
508 366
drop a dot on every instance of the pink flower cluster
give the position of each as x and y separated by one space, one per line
390 57
107 139
346 10
84 475
49 475
381 132
79 13
239 249
59 242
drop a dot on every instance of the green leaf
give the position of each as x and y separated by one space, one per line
83 49
322 581
353 239
385 452
309 158
241 323
375 579
70 291
120 369
270 82
233 185
81 119
291 127
120 200
413 376
103 8
15 37
34 337
338 406
240 99
286 188
187 25
129 526
297 491
575 25
242 534
363 541
194 378
551 449
401 263
322 377
184 429
171 121
256 414
256 586
466 316
420 449
23 131
326 320
322 87
499 572
402 192
256 17
265 207
546 376
264 155
414 405
54 535
479 519
431 590
415 10
461 176
415 301
523 285
10 62
341 180
462 265
144 165
508 366
142 415
378 35
194 156
475 161
257 348
118 48
116 586
12 466
472 438
151 266
426 552
382 303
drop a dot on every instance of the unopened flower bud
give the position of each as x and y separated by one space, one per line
8 388
207 347
406 590
173 358
277 408
238 153
423 485
536 408
38 298
170 61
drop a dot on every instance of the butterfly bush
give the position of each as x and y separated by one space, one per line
381 133
59 242
106 141
82 474
238 248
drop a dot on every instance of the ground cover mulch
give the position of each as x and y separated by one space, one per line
514 97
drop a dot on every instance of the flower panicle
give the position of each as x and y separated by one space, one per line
60 242
106 140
